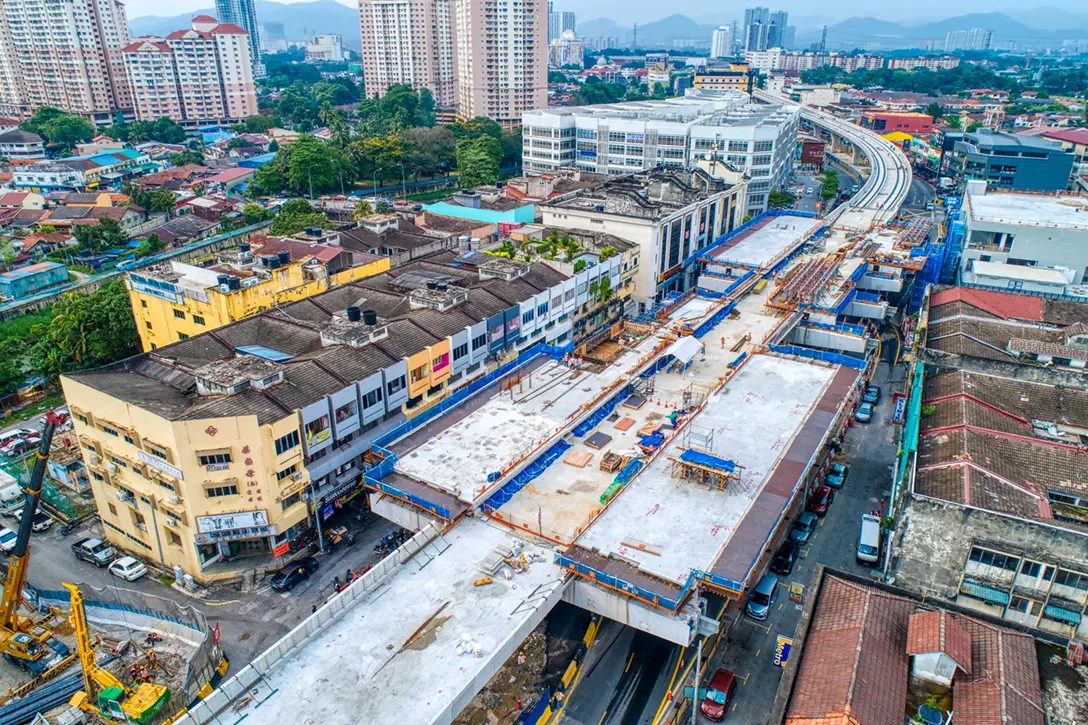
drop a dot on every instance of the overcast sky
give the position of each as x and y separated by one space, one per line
642 11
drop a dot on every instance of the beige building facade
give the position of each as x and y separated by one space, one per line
66 54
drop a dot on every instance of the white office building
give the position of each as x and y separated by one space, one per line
620 138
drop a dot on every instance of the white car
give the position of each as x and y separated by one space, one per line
7 540
128 568
10 436
41 521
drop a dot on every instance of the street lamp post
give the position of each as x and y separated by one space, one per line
310 178
341 169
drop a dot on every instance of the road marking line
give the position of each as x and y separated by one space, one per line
629 661
758 651
765 627
602 717
745 680
780 606
734 706
220 604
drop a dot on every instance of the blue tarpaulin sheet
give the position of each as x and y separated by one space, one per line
705 459
653 440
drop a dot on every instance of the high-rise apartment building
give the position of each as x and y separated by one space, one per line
721 43
568 22
973 39
198 75
478 57
553 23
501 50
65 54
273 39
409 42
243 13
755 20
776 29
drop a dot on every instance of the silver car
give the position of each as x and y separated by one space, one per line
763 597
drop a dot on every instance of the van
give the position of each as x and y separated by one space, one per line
763 597
869 540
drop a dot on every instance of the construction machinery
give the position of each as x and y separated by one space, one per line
27 642
103 693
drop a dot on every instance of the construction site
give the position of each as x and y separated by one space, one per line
630 475
120 655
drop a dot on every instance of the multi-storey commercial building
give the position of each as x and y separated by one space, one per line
194 76
726 76
236 441
618 139
65 54
329 47
243 13
501 58
568 22
567 50
1012 162
176 301
409 42
669 214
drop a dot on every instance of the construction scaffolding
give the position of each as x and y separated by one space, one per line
698 463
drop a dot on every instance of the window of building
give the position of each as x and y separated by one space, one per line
346 411
1071 579
342 442
280 475
372 398
479 341
129 439
396 385
991 558
211 459
764 146
291 500
528 316
1025 606
113 509
1067 506
315 429
419 374
460 351
738 145
172 537
287 442
180 314
1033 569
182 336
217 491
198 319
317 455
143 303
147 325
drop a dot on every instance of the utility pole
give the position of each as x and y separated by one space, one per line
695 699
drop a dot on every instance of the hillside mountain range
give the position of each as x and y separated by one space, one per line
300 20
1035 26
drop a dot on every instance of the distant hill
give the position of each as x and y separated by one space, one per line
602 28
674 27
300 20
1051 19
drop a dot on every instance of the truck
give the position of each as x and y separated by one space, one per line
94 551
945 182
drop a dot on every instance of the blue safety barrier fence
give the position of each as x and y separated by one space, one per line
601 413
530 472
829 357
532 717
702 330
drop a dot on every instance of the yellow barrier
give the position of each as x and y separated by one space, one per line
545 716
568 676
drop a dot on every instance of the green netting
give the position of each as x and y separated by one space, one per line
52 496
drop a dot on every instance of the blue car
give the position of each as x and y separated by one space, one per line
836 477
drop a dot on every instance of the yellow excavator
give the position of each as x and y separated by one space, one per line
24 641
103 693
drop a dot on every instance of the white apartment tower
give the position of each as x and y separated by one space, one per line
721 43
66 54
409 42
199 75
502 63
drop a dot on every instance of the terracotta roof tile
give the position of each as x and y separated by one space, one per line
1006 305
938 632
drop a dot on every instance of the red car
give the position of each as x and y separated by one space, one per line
719 695
821 500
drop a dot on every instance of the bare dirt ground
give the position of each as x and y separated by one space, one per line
498 701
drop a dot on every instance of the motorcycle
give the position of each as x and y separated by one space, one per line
68 528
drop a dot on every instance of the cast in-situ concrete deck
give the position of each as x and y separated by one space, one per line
760 247
391 657
682 525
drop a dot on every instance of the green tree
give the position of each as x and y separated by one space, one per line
106 234
607 253
658 91
428 151
935 110
12 365
305 163
778 199
162 200
255 213
579 266
260 123
186 157
238 142
151 245
556 77
273 146
379 157
293 219
953 122
478 161
85 331
362 209
975 125
60 128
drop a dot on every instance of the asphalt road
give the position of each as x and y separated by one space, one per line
919 195
250 621
748 649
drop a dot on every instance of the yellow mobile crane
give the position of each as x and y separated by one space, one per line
24 641
103 693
